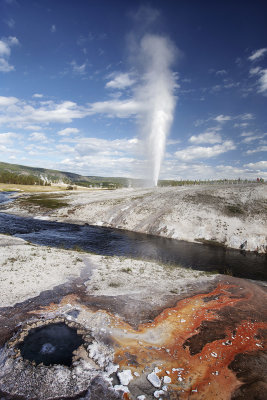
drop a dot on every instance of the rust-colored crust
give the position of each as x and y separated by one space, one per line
165 342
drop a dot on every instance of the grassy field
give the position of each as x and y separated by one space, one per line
6 187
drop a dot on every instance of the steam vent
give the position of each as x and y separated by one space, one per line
51 344
50 360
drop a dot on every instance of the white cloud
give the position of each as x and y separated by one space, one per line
120 80
65 148
67 131
257 150
87 146
116 108
199 152
246 116
5 51
175 169
221 72
94 156
258 165
10 23
241 125
7 101
32 128
38 137
245 134
7 137
254 71
222 118
53 28
19 113
25 113
37 95
258 54
263 81
78 69
250 139
207 137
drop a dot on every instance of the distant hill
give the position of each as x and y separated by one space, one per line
55 176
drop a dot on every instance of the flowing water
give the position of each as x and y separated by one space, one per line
109 241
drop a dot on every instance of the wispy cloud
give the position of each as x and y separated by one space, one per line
246 116
85 39
250 139
241 125
257 54
10 23
257 150
261 73
258 165
222 118
5 51
53 28
78 69
221 72
262 79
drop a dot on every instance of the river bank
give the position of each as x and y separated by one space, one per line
234 216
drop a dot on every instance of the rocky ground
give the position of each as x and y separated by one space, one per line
232 215
149 330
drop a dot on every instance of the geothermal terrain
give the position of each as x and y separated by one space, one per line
148 330
231 215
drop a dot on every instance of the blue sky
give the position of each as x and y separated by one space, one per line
73 86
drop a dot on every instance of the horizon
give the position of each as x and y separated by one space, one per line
72 76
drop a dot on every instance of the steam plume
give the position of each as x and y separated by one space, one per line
156 94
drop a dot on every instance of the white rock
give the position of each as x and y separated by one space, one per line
125 376
167 379
154 379
157 393
124 389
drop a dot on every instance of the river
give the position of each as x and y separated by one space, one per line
109 241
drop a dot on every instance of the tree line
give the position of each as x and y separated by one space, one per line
21 179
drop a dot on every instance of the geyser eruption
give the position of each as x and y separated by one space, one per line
156 94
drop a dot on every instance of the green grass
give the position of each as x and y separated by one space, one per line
43 201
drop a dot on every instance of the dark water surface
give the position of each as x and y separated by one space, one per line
109 241
51 344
